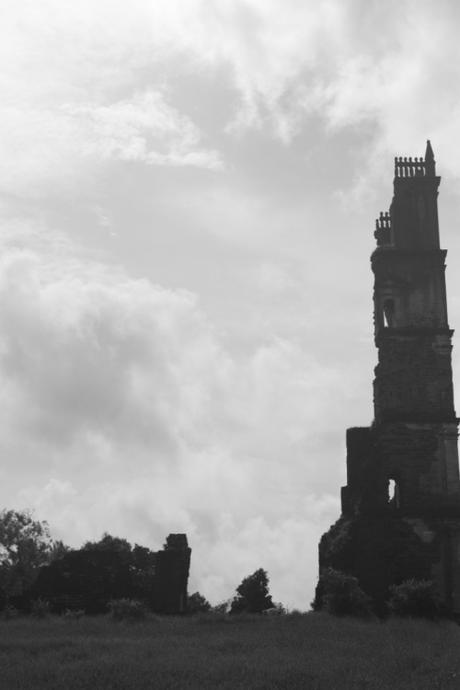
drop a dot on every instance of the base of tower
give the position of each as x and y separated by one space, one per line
385 550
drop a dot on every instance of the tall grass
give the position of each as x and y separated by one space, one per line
214 652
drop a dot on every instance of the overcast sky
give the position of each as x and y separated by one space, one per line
188 197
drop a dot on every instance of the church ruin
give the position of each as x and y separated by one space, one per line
401 505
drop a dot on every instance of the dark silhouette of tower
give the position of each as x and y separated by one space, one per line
401 506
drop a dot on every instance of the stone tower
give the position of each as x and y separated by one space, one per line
401 506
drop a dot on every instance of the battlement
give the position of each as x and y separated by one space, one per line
383 229
416 167
408 167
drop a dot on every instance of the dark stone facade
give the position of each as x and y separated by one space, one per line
172 567
401 505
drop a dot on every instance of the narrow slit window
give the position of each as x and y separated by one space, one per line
388 313
394 498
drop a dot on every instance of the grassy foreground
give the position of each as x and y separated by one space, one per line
304 651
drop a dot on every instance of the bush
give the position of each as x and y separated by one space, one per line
221 609
276 610
295 613
40 608
10 612
126 610
415 598
197 603
340 594
73 614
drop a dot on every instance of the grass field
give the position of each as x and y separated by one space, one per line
304 651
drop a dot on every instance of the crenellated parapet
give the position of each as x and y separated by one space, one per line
408 167
383 233
416 167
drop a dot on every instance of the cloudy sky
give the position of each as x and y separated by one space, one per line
188 191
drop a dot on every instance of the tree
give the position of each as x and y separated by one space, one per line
415 598
197 603
25 546
339 593
252 594
109 543
90 577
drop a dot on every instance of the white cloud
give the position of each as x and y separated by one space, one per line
120 389
123 407
51 151
92 78
73 91
144 128
273 279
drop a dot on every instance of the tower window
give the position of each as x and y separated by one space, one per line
394 495
388 313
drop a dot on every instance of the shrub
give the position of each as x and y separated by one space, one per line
295 613
40 608
416 598
73 614
340 594
276 610
197 603
126 610
10 612
220 609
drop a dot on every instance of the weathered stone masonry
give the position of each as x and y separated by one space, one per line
385 537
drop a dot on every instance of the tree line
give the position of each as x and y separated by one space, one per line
35 567
110 575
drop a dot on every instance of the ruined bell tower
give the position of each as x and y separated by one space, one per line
401 505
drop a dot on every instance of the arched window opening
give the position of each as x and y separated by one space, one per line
388 313
394 495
